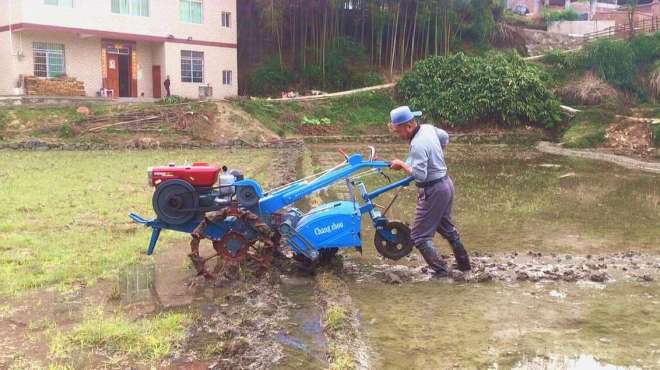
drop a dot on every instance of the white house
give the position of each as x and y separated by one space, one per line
127 47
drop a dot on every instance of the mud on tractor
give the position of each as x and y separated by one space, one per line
244 222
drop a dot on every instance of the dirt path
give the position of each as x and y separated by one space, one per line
233 123
620 160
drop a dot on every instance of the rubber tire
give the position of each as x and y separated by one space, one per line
402 248
172 216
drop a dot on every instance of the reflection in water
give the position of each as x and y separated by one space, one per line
136 283
581 362
438 324
303 339
512 199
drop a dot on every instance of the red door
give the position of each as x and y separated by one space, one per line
155 73
113 74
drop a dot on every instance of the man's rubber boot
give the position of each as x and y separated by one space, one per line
432 259
461 255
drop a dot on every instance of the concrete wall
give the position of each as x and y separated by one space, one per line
82 57
7 17
216 60
163 19
144 52
158 59
7 75
578 27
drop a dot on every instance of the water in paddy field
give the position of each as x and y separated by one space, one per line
515 199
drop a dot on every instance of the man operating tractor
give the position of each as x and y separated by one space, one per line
435 189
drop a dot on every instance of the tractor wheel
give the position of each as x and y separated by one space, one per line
400 247
175 202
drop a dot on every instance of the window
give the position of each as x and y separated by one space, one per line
226 19
48 59
132 7
226 77
63 3
192 66
191 11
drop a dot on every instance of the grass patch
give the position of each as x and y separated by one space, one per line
587 129
340 360
355 113
64 217
4 120
144 340
335 318
41 114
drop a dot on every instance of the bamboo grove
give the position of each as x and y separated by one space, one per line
392 33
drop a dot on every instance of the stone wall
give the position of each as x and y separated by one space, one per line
39 145
61 86
539 42
36 100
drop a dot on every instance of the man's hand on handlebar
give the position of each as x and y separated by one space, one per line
397 164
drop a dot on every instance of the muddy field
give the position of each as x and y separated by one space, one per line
566 255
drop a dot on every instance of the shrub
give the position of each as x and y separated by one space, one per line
497 87
550 16
483 23
612 60
345 65
269 78
373 79
311 75
646 48
65 131
172 100
315 121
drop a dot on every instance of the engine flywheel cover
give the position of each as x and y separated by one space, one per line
175 202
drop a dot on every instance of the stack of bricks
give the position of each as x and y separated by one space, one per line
60 86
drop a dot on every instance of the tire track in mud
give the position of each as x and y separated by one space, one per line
346 345
629 266
241 323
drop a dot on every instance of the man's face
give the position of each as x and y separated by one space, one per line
404 131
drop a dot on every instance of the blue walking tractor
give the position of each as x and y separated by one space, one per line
245 222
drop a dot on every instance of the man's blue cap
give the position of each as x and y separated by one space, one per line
401 115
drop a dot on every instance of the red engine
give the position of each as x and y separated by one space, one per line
197 174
